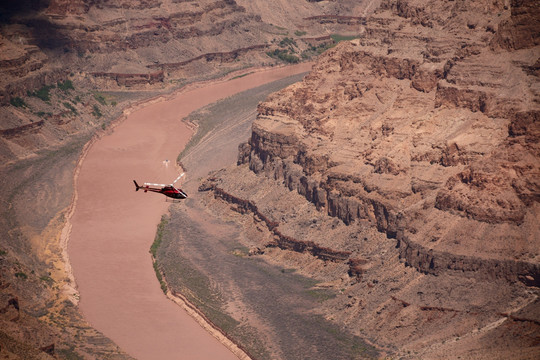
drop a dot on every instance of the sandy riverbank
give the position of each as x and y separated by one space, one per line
112 226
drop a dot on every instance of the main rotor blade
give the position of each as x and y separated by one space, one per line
150 184
178 178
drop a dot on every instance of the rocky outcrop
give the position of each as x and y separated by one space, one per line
126 41
435 263
522 29
24 68
280 240
220 57
337 19
20 130
128 80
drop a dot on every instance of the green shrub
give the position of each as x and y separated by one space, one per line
284 56
42 114
47 279
17 102
162 282
154 248
100 98
43 93
66 85
21 275
97 112
159 235
70 107
287 42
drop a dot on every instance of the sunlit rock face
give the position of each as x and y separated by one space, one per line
426 127
452 139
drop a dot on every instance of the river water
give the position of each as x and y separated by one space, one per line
113 226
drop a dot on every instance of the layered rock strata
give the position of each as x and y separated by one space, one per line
425 129
131 39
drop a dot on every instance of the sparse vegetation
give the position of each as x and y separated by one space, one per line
300 33
43 94
280 28
315 50
69 354
21 275
162 283
42 114
96 112
286 52
71 108
153 250
100 98
17 102
65 86
321 295
47 279
159 235
337 38
287 42
283 55
241 76
287 271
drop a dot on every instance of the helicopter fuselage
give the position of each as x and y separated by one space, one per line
173 192
167 190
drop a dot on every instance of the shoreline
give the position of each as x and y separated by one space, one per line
71 288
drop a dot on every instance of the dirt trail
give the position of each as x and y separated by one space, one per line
113 226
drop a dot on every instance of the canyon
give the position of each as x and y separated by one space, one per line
70 71
401 174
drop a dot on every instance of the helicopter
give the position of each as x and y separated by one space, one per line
167 190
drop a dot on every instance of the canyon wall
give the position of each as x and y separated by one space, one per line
425 129
452 141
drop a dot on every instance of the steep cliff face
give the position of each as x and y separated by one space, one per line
426 129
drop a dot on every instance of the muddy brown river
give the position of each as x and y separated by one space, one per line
113 226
